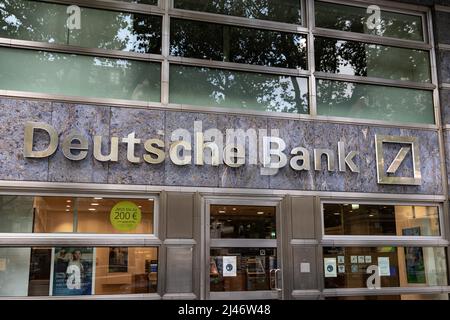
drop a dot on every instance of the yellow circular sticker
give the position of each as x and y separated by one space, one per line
125 216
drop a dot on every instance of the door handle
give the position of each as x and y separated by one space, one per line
272 284
277 288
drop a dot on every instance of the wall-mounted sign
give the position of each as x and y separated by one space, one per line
216 148
330 269
388 176
125 216
229 266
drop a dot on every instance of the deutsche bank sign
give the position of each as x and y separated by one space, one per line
235 148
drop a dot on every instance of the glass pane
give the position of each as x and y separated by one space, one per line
357 100
82 215
379 220
76 271
106 215
210 41
398 267
232 89
253 267
237 222
371 60
77 75
356 19
45 22
288 11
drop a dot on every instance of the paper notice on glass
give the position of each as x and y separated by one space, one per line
2 264
383 266
330 267
229 266
341 259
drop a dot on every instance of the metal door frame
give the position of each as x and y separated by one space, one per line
207 243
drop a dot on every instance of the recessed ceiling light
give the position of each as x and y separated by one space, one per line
91 209
260 212
355 206
94 204
150 199
139 206
67 210
234 209
221 211
68 201
336 213
67 206
370 215
98 198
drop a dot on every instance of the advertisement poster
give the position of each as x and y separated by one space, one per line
383 265
229 266
415 265
330 267
72 271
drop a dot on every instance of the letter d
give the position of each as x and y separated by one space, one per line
30 127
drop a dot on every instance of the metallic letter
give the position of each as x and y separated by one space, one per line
269 154
304 157
318 159
374 20
113 156
68 146
74 20
29 137
200 147
346 160
173 152
234 155
131 141
160 155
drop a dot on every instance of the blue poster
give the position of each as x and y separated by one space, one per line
72 271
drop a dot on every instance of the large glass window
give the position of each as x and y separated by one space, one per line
78 271
288 11
375 220
239 222
210 41
253 269
358 19
366 101
24 214
46 22
371 60
398 266
232 89
79 75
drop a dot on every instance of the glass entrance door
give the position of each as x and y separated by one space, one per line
242 250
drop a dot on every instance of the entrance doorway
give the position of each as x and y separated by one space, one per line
243 249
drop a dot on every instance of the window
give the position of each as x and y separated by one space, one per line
26 214
288 11
46 22
79 75
367 101
371 60
383 220
77 271
354 19
398 266
232 89
236 44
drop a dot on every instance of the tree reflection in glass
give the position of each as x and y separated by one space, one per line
288 11
237 44
46 22
232 89
354 19
371 60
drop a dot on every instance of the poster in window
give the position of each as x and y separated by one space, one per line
72 271
118 259
415 265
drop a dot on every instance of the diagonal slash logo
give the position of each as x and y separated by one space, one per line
388 176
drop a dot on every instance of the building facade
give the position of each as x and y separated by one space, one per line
199 149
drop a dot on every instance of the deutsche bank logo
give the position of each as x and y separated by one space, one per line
388 176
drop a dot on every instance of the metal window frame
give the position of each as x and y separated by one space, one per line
349 240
